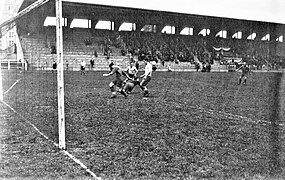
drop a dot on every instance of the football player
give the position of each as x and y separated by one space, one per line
116 84
245 71
149 68
130 84
132 70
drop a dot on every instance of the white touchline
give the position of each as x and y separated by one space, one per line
48 139
12 86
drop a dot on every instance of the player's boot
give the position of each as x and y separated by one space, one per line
124 83
113 96
123 93
146 93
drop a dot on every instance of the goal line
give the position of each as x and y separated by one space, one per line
54 143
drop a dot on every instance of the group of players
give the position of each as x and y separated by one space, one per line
126 86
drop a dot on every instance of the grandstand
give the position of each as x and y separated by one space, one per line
256 42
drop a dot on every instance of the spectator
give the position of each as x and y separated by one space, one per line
67 64
95 53
197 66
27 65
82 67
54 65
92 62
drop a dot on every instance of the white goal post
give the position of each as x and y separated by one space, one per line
60 75
1 86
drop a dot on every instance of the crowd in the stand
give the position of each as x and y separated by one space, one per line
179 48
165 47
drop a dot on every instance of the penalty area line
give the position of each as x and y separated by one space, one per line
230 115
234 116
55 144
12 86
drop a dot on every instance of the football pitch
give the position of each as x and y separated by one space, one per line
194 125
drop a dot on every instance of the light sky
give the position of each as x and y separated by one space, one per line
260 10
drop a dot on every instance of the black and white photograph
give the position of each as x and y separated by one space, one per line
142 90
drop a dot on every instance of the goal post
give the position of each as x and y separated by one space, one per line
60 75
1 86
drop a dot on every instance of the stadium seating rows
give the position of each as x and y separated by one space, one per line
80 44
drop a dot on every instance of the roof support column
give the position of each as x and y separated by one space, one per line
178 29
69 21
93 23
116 25
139 26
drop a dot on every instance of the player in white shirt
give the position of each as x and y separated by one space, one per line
149 67
132 70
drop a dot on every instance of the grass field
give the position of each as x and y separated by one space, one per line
193 125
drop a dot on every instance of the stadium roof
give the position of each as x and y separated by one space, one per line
278 11
120 14
258 10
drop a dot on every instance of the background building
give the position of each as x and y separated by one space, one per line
8 10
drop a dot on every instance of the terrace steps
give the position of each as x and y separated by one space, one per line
37 51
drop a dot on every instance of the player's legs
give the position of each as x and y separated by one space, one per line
145 81
112 86
132 76
143 84
82 70
146 92
124 82
119 84
128 87
244 79
240 79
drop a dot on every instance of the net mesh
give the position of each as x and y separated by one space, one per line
10 23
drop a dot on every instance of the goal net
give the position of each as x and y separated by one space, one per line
32 75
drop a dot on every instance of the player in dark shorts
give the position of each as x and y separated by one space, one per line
245 71
116 84
130 84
